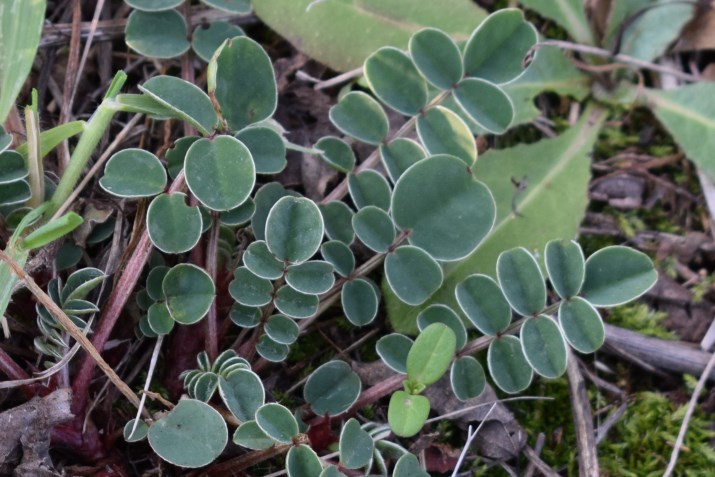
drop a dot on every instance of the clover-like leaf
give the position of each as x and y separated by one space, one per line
314 277
173 226
431 354
582 325
207 39
442 131
174 438
189 293
355 445
294 229
243 393
374 228
133 173
393 350
302 461
359 116
337 217
486 104
445 315
339 256
406 414
332 388
521 281
447 211
565 264
508 365
277 422
412 274
467 378
437 57
496 50
241 79
481 299
360 301
617 275
184 99
398 155
544 346
394 78
337 153
157 34
220 172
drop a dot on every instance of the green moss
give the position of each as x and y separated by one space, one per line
639 317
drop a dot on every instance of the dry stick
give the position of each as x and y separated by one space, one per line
342 78
113 309
87 45
71 328
583 421
688 414
72 64
97 165
149 374
629 60
470 437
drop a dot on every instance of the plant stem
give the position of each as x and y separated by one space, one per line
8 280
211 338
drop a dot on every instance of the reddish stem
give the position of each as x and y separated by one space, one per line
211 338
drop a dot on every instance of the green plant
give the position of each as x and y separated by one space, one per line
424 223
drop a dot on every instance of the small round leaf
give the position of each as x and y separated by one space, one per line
337 153
277 422
565 264
302 461
442 131
617 275
159 319
153 5
240 215
360 116
399 155
407 414
133 173
544 346
481 299
294 229
443 314
12 167
374 228
508 365
393 350
139 433
360 302
157 34
251 436
258 259
337 217
282 329
189 293
173 226
249 289
243 393
296 304
186 100
267 149
177 153
437 57
409 466
355 446
521 281
332 388
230 6
582 325
206 40
486 104
467 378
265 199
368 187
245 316
394 78
314 277
271 350
339 256
431 354
412 274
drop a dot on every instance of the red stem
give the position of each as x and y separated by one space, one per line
211 338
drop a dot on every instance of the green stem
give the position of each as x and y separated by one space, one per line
8 280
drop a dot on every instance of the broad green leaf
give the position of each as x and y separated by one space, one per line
467 378
207 39
486 104
176 155
173 226
394 79
582 325
192 435
277 422
687 113
393 350
447 211
355 445
220 172
496 50
360 116
521 281
431 354
654 29
341 34
267 149
565 264
21 23
159 319
52 230
443 314
398 155
189 293
185 99
271 350
339 256
544 346
413 275
409 466
133 173
294 229
551 207
265 199
442 131
337 217
302 461
508 365
243 394
249 289
483 302
158 34
568 14
374 228
17 192
230 6
241 79
139 433
407 414
360 301
282 329
314 277
437 57
337 153
259 260
294 303
616 275
251 436
245 316
153 5
12 167
332 388
369 187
